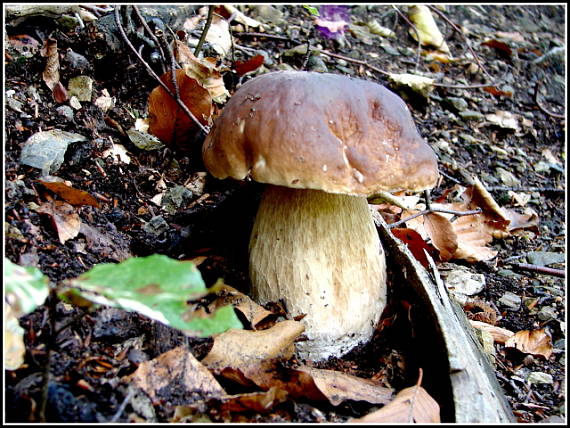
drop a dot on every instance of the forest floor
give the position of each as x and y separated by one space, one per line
510 135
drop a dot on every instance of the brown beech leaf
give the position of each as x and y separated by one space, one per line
239 348
500 335
477 196
497 92
69 194
416 244
59 93
64 218
259 402
502 48
535 342
203 70
179 368
338 387
251 64
51 72
411 405
168 121
253 312
527 220
24 43
442 234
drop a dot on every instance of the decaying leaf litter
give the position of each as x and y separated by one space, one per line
507 136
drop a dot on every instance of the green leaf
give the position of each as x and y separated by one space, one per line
155 286
312 10
26 287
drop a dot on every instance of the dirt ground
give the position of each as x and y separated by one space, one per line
89 356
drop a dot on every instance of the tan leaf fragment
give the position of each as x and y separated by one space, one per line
253 312
338 387
70 194
168 121
14 347
427 29
500 335
441 231
527 220
64 218
240 348
240 17
51 72
219 35
203 70
411 405
178 367
535 342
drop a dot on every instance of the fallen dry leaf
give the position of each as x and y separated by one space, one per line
527 220
416 244
253 312
168 121
535 342
65 219
338 387
500 335
411 405
427 29
241 348
203 70
219 35
105 244
251 64
179 368
51 72
69 194
440 229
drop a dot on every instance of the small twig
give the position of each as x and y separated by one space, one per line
435 210
50 344
405 18
540 269
540 106
205 30
181 104
456 28
123 405
265 35
355 61
525 189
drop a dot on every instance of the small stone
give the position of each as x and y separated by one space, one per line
316 63
81 87
458 104
539 377
510 301
547 313
471 115
66 112
156 226
175 198
545 258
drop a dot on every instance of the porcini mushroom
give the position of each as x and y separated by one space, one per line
322 143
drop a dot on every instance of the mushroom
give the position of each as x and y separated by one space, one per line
321 143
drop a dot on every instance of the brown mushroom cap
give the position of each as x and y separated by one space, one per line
319 131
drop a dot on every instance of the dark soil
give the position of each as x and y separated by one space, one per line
96 348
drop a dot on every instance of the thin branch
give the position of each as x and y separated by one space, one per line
540 269
456 28
205 30
526 189
434 210
181 104
540 106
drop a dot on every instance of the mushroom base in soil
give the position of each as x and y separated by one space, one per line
321 255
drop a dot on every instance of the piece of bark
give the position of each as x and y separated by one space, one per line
466 387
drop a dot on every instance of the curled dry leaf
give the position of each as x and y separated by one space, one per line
338 387
535 342
411 405
241 348
420 84
51 72
416 244
177 367
259 402
253 312
238 16
500 335
203 70
428 31
168 121
251 64
65 219
69 194
219 35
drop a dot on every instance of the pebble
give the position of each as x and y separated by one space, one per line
458 103
545 258
547 313
510 301
471 115
66 112
156 226
540 377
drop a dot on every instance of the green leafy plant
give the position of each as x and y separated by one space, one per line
155 286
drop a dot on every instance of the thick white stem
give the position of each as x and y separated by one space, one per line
320 253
